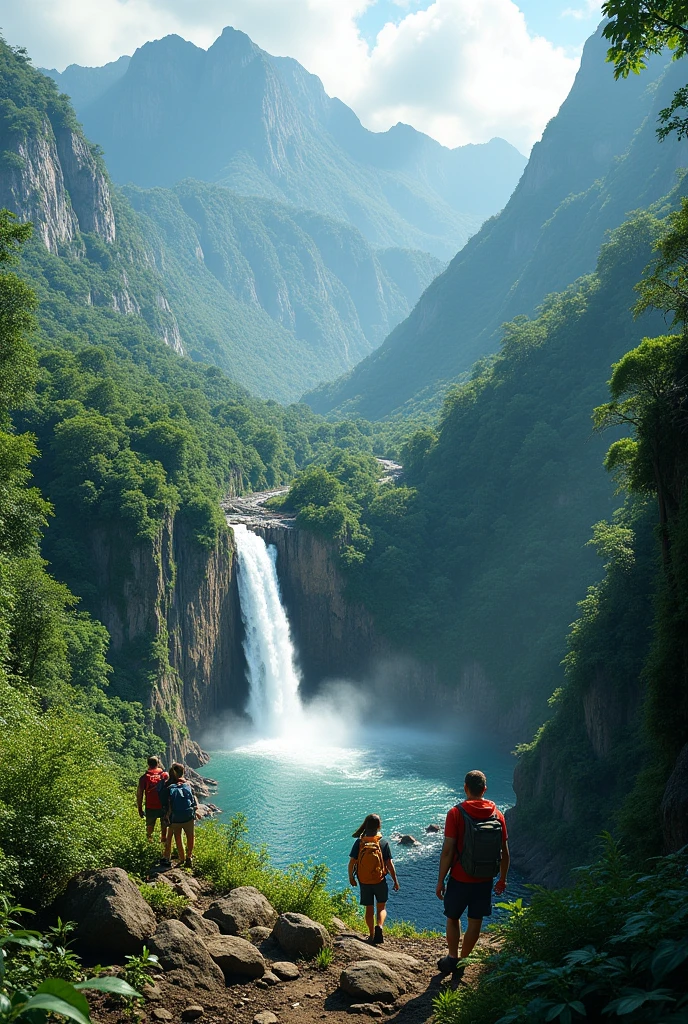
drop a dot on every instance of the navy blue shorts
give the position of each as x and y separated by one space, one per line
476 897
372 893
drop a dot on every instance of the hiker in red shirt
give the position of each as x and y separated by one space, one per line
475 850
148 791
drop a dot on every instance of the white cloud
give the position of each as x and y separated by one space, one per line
461 70
590 9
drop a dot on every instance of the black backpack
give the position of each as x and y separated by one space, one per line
481 855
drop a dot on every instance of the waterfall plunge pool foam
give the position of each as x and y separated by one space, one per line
306 776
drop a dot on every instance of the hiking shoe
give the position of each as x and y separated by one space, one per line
188 863
164 863
378 938
448 965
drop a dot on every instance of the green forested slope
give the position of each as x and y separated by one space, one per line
264 126
477 561
275 295
598 159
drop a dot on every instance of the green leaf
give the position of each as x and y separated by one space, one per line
578 1007
5 1004
45 1001
64 990
554 1011
668 956
116 985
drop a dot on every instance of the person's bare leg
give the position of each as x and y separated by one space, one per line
150 826
370 919
453 936
168 845
190 840
471 936
381 914
179 842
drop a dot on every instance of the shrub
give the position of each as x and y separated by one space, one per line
223 854
612 945
62 808
163 900
29 992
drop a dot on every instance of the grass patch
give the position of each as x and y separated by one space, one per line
224 855
162 900
324 958
408 930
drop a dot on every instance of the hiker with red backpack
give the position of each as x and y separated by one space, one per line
148 792
475 850
370 861
181 806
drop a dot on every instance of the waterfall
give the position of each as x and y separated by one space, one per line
273 702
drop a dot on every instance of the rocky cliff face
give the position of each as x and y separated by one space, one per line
180 601
51 178
336 638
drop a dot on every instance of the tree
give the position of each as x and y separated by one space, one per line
637 28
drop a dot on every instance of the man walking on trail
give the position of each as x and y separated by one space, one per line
149 791
475 850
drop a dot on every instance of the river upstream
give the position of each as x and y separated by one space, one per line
305 777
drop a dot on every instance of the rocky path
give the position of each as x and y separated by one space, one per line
233 960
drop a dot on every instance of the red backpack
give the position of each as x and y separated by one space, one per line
151 782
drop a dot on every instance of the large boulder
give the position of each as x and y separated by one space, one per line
370 981
244 908
111 914
354 949
202 926
185 958
299 936
236 956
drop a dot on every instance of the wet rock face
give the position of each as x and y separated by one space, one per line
674 809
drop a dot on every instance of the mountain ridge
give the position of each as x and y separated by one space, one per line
263 125
597 161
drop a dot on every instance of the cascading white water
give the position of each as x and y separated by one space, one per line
273 703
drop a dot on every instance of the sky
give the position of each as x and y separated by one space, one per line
460 70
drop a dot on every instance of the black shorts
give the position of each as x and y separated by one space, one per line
476 897
372 893
152 815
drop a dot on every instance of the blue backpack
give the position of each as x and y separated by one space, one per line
182 801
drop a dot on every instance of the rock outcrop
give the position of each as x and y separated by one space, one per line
372 981
184 958
299 936
110 912
244 908
235 956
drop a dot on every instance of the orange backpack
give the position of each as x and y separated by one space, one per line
370 867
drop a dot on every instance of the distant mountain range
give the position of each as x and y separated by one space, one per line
263 126
598 160
276 296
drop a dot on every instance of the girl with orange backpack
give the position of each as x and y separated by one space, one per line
370 861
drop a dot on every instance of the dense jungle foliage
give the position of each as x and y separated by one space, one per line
612 946
478 557
631 641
